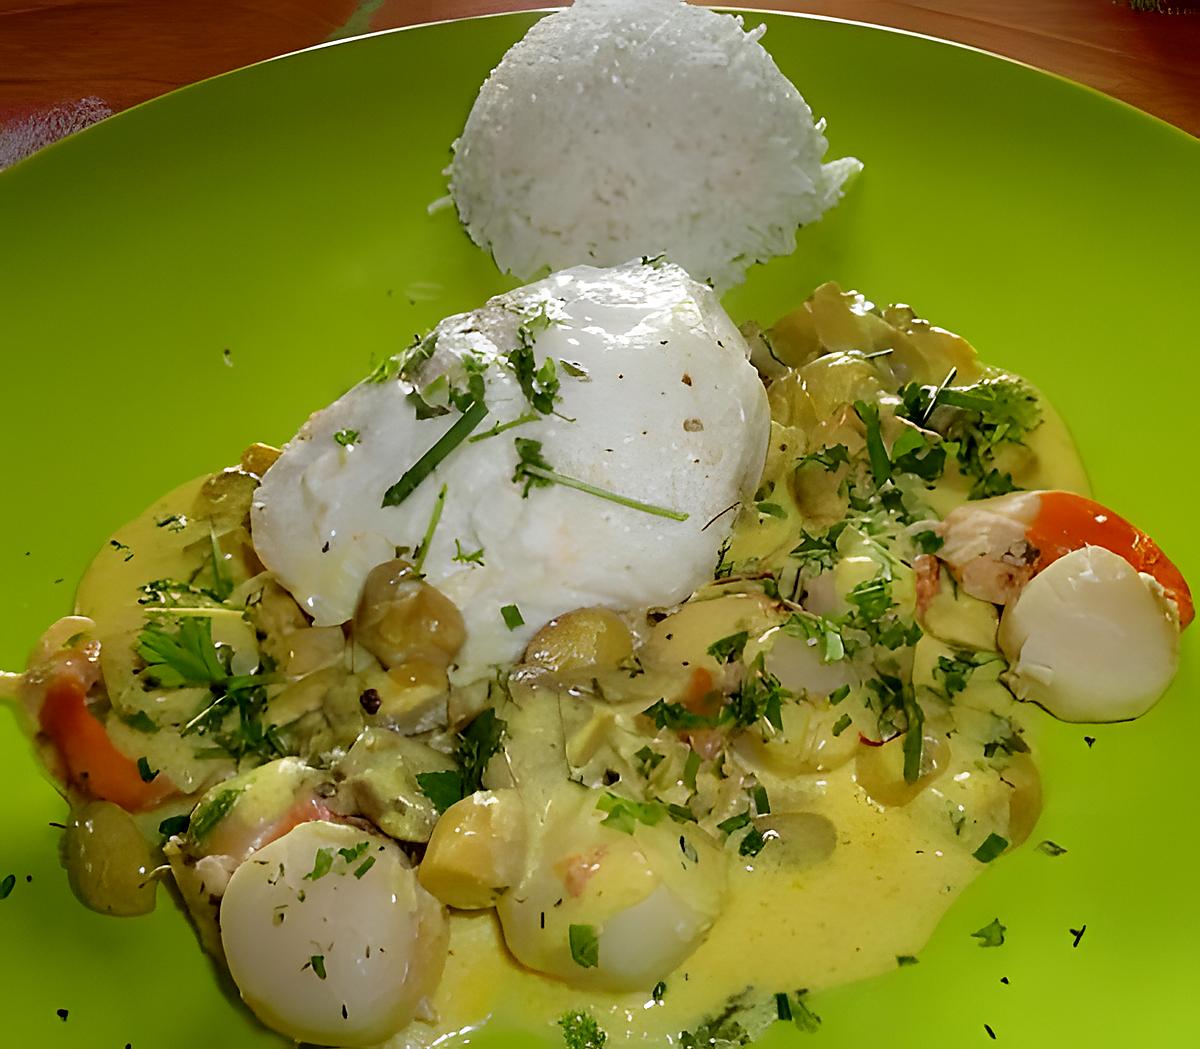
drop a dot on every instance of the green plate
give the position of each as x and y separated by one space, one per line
279 214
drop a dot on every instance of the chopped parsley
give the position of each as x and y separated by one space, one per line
173 825
648 760
906 959
828 458
476 745
992 846
147 774
533 471
1050 848
7 885
989 414
927 541
955 671
729 649
585 945
141 721
842 723
346 437
818 552
819 630
752 842
676 717
322 864
760 695
442 788
659 991
624 815
512 617
352 852
768 509
991 935
317 964
580 1031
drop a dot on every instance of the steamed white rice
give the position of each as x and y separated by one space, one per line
619 128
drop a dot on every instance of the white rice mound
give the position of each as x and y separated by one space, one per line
619 128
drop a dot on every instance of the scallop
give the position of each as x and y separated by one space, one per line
329 937
1091 639
612 909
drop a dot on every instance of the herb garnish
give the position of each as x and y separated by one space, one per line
147 774
463 557
520 420
624 814
992 846
512 617
1050 848
991 935
317 964
729 649
208 815
585 945
580 1031
346 437
533 471
434 517
7 885
476 745
322 863
429 461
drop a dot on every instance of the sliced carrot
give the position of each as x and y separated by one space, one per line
92 764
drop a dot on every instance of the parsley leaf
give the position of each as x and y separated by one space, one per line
1050 848
322 863
624 814
539 383
828 458
346 437
476 745
585 945
927 541
442 788
729 649
675 716
991 935
187 657
512 617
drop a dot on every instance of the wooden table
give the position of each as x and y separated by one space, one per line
65 63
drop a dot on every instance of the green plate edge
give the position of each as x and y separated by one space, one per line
279 212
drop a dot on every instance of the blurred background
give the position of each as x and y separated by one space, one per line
65 64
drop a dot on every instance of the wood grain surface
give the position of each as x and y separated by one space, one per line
112 54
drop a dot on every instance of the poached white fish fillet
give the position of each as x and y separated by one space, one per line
649 397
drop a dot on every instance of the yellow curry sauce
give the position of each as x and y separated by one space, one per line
769 724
